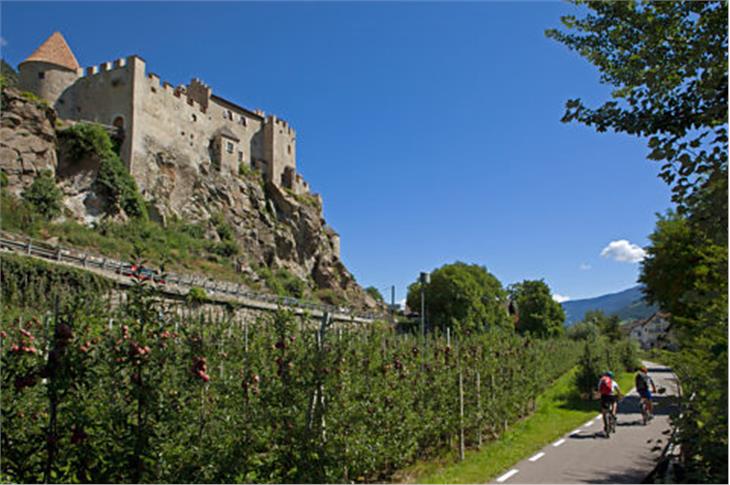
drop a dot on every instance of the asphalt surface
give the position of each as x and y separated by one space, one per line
587 456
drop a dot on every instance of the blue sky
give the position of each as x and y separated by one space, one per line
432 130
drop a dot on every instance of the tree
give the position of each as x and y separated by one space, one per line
462 296
8 75
539 314
668 62
375 294
608 326
685 272
44 196
582 331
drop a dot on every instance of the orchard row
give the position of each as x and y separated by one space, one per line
139 394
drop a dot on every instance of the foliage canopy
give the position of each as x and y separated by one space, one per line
462 295
44 196
539 314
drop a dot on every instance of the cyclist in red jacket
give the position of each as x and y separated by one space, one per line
610 392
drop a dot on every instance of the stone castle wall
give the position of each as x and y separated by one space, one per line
186 122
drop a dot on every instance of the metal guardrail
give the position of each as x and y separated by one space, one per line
42 249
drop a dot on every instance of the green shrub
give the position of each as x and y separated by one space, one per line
85 139
196 296
601 354
33 98
226 248
282 282
120 188
8 75
329 297
193 230
224 230
245 170
44 196
3 179
117 185
374 293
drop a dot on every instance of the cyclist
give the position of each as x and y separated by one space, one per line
610 392
643 381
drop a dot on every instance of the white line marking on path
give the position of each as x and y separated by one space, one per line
559 442
507 475
589 423
577 431
538 456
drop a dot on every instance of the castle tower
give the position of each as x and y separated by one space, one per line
50 70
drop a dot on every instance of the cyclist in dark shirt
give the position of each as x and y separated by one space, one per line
643 382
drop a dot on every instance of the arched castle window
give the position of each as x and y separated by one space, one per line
194 117
243 120
228 115
288 149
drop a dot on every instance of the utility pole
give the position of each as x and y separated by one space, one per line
424 279
392 303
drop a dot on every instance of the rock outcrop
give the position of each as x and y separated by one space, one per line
275 228
27 139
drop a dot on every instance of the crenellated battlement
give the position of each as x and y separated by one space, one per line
121 63
179 92
276 121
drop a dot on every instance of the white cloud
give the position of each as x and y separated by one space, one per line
560 298
623 251
585 266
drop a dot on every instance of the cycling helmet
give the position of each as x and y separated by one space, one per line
609 374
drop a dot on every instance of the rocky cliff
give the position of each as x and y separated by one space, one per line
273 227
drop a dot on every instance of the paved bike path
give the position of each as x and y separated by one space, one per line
586 456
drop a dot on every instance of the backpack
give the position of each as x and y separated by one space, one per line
641 382
605 387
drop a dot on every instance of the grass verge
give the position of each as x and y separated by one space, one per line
559 411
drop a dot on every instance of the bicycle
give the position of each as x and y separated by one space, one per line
609 422
646 416
609 418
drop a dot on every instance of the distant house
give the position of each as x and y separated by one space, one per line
654 332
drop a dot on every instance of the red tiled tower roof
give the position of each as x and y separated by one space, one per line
55 50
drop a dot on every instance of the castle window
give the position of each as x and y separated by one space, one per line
288 149
229 147
227 115
194 117
243 120
41 75
240 156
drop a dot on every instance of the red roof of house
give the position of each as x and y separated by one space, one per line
55 50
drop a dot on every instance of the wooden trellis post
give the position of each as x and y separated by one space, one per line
479 410
461 416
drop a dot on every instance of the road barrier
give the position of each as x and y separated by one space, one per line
42 249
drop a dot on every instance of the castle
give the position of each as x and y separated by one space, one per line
189 119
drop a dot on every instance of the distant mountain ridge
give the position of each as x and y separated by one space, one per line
628 305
